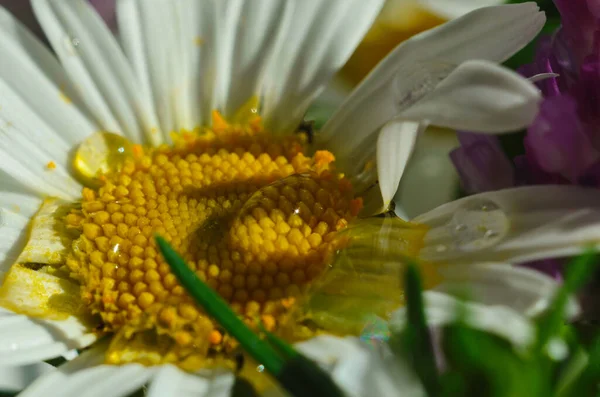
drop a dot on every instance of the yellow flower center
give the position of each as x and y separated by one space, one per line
252 215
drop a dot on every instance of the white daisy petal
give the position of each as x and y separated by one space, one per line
94 61
416 66
15 379
203 31
25 340
85 376
20 203
35 76
27 163
15 113
133 40
527 291
513 225
46 243
181 64
442 309
360 371
315 44
13 228
451 9
479 96
153 52
171 381
394 147
257 26
542 77
43 169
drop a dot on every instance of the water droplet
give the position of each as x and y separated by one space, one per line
478 224
260 368
100 153
71 44
460 228
441 248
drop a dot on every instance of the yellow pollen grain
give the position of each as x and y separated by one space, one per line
252 215
51 165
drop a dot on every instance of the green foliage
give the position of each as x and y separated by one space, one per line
481 364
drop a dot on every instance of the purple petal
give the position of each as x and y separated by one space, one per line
528 172
550 267
481 163
580 21
106 9
558 141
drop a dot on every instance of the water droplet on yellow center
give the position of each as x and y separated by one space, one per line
100 154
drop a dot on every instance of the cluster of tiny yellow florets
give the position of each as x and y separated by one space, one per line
252 215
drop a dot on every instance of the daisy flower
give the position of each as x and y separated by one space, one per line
189 129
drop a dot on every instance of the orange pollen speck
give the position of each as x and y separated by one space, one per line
254 218
51 165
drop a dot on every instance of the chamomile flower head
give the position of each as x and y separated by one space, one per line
191 128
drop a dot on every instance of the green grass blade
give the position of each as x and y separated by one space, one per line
417 340
578 271
217 308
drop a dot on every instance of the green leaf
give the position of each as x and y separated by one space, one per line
216 307
578 272
416 340
588 383
488 366
243 388
284 348
302 377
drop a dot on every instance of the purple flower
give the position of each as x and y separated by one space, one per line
558 141
580 23
481 163
562 146
551 267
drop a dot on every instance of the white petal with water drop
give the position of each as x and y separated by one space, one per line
527 223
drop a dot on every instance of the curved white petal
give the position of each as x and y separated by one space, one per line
416 66
97 66
451 9
314 45
513 225
25 340
442 309
208 55
154 54
46 96
13 229
171 381
394 147
86 376
526 291
43 169
361 371
542 77
255 28
15 379
479 96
